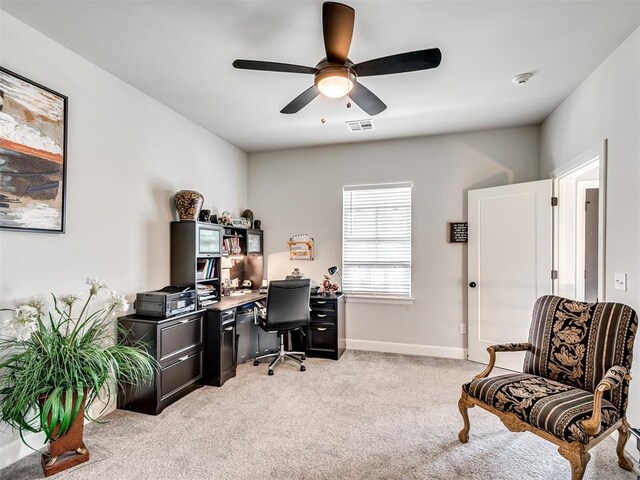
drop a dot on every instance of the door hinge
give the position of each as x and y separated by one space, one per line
554 274
554 201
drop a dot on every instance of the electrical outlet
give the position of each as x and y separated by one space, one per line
463 329
620 281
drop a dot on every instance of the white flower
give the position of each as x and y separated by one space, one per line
95 285
38 304
23 323
118 304
68 299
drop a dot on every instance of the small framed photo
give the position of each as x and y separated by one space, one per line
33 160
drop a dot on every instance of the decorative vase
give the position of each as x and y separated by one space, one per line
68 450
188 204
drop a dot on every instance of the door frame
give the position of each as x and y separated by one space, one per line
565 212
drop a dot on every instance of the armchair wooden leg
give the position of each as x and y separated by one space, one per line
464 405
623 436
578 458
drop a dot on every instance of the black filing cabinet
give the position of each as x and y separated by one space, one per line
176 344
221 347
247 330
326 332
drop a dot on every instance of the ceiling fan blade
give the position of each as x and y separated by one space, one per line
337 28
273 66
366 99
301 100
400 63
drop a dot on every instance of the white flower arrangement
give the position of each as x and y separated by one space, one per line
23 324
26 316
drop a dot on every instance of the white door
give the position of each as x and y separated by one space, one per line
510 263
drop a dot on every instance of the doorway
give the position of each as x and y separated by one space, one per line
579 224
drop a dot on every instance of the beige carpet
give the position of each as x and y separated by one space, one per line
367 416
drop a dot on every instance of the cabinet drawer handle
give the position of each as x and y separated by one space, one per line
321 315
321 302
228 329
321 329
186 320
182 359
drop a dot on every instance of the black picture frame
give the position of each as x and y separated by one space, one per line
458 232
25 154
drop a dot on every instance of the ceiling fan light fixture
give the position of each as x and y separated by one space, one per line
335 82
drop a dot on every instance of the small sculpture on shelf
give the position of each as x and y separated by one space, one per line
226 218
204 215
295 275
329 288
248 214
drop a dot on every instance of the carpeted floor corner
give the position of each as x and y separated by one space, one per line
367 416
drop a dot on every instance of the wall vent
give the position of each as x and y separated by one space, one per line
360 125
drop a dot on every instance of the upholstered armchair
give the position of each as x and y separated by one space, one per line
575 382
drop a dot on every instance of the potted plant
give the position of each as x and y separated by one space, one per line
54 364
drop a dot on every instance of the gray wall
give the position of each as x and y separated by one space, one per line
127 154
299 191
607 106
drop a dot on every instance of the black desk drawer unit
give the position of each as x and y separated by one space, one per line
221 347
326 332
176 344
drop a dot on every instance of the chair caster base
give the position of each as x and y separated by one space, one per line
303 368
256 363
270 372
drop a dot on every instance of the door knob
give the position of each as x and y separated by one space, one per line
472 284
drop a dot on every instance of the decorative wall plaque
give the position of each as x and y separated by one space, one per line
458 232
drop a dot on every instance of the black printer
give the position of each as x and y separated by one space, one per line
166 302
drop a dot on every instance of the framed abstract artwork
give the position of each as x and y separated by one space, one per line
33 161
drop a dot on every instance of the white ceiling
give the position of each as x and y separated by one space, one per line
180 53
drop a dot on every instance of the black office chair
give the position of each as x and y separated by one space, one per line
287 309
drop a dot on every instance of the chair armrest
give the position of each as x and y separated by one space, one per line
503 347
612 379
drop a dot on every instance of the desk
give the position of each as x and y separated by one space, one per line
233 337
205 346
237 301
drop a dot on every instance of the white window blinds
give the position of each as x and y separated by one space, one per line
376 240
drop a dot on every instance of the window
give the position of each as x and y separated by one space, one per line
376 240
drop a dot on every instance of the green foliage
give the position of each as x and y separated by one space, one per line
62 358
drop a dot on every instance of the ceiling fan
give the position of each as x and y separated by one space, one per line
336 75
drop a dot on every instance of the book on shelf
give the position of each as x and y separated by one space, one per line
206 303
205 268
207 297
205 288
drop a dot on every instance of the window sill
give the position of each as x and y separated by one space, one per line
355 298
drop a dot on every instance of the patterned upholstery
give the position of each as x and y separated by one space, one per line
576 343
543 403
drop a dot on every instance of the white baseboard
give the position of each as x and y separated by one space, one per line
15 450
407 348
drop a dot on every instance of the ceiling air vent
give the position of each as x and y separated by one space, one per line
360 125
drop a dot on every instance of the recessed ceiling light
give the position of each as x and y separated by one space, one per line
522 78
